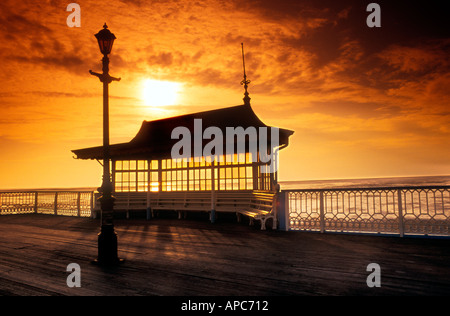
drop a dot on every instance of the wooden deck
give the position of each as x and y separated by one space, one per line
171 257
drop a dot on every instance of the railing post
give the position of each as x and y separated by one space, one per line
93 213
36 202
55 206
287 211
322 213
400 213
79 204
283 212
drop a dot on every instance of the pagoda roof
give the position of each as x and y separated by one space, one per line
154 141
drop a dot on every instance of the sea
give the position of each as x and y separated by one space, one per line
318 184
366 183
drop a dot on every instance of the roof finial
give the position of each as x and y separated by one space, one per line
245 82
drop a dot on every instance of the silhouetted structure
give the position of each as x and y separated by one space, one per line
144 175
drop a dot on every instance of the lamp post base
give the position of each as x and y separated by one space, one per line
107 247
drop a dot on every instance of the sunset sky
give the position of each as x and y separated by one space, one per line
363 102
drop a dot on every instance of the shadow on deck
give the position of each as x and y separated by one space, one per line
193 257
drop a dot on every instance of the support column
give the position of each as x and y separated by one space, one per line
213 192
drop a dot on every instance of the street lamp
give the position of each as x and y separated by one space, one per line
107 238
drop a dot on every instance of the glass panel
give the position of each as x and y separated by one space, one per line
241 172
154 186
249 173
249 157
235 173
235 159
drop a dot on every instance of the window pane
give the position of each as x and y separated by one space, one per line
242 172
249 172
249 158
235 173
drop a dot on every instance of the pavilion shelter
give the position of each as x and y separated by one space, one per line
147 176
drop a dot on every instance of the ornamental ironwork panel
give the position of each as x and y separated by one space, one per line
408 210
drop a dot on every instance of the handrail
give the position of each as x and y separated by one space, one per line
64 202
422 210
370 188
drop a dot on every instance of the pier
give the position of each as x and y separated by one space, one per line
193 257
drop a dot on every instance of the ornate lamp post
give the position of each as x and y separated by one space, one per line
107 238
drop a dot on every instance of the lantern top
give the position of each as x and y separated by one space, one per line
105 40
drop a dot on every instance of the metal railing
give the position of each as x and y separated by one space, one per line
391 210
67 203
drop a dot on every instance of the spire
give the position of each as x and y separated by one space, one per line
245 82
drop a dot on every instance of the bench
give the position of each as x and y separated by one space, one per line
261 208
257 205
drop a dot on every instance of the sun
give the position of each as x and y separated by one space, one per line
160 93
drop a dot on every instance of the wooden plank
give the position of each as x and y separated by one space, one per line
194 257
